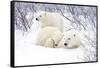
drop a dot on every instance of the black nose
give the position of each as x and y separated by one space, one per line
56 44
65 44
37 19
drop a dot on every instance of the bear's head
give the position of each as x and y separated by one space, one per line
70 40
42 17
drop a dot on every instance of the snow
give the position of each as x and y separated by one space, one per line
27 53
83 22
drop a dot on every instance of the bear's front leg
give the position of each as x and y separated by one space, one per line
49 43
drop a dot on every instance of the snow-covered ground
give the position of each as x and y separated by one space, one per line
27 53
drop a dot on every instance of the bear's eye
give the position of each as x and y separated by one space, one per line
68 38
74 35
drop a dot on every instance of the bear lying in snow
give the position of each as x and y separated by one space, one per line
53 38
70 40
49 19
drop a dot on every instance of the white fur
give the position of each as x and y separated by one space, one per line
51 19
48 37
71 38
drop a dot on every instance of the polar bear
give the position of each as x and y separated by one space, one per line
50 19
49 37
70 40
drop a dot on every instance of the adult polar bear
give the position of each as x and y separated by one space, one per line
50 19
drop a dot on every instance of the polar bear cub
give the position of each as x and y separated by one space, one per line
50 19
53 38
49 37
70 40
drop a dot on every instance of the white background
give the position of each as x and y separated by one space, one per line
5 34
